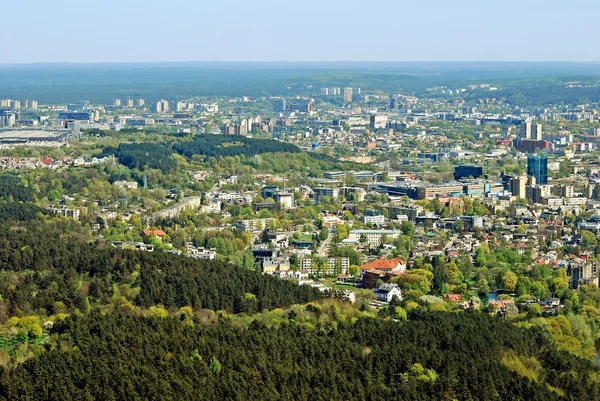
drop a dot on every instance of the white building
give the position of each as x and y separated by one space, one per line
330 267
201 253
286 200
387 292
373 219
373 237
162 106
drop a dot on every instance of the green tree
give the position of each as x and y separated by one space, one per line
509 281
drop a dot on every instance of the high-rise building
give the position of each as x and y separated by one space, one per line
537 167
34 105
378 121
537 193
347 95
129 103
279 105
518 186
8 118
141 102
536 132
526 130
117 102
566 191
15 105
162 106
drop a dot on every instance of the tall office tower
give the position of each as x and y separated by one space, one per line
537 167
117 102
526 130
518 186
279 105
34 105
129 103
347 95
141 102
536 132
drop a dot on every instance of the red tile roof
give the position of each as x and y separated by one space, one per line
382 264
156 232
452 297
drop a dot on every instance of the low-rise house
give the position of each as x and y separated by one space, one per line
138 246
201 253
386 292
454 298
502 306
156 232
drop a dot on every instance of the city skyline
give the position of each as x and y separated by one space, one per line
147 31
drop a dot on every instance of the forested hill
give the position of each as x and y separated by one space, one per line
158 156
432 356
231 145
43 265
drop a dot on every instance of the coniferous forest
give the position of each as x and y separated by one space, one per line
99 343
432 356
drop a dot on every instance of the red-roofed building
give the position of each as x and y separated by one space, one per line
455 298
385 265
156 232
377 269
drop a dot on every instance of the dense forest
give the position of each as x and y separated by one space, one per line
431 356
221 145
12 188
45 268
13 211
142 155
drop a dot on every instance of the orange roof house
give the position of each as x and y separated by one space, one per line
385 265
452 298
154 232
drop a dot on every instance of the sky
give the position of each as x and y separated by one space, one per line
83 31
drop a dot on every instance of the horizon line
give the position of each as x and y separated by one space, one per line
25 63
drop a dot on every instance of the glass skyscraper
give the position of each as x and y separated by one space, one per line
537 166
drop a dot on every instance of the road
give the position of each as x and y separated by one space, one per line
323 250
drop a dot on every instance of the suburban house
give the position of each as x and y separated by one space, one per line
386 292
500 306
158 233
454 298
380 268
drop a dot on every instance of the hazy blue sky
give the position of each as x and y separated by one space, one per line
319 30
